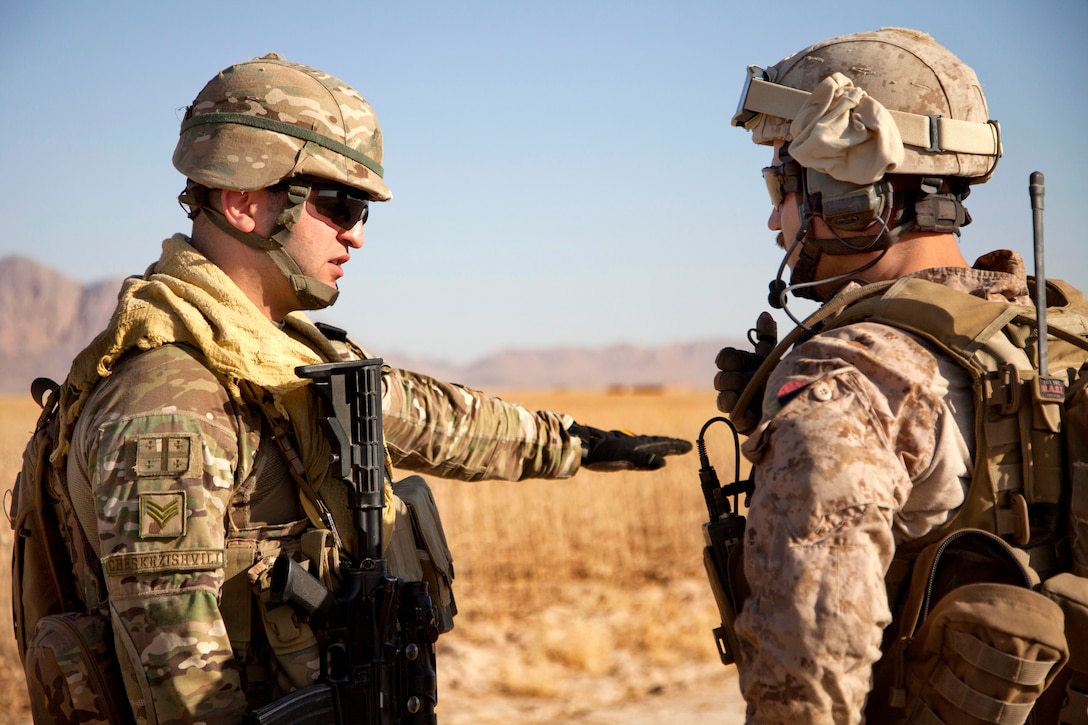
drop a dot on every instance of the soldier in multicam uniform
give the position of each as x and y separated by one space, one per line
193 451
866 437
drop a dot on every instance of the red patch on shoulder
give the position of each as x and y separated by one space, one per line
790 389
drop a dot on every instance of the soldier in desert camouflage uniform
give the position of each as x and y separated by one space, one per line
865 439
193 451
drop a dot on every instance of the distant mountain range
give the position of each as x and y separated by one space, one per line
46 319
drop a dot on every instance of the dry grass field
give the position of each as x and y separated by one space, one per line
581 600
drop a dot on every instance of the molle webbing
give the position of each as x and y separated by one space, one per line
1019 461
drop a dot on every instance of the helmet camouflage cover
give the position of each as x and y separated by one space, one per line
262 121
925 88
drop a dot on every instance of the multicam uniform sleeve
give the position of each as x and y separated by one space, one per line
453 431
849 421
160 464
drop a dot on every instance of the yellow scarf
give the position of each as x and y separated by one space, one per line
185 298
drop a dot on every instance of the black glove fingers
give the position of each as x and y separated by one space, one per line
622 450
727 399
736 369
662 446
731 359
730 381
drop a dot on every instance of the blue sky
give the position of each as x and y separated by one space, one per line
563 172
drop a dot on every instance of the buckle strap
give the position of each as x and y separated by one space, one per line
976 704
1000 664
922 715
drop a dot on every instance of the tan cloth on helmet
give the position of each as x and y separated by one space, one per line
185 298
841 131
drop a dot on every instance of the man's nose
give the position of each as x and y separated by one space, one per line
774 221
352 237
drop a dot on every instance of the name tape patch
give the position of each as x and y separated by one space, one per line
155 561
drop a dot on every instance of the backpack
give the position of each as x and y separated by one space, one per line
71 670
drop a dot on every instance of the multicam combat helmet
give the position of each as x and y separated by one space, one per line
268 122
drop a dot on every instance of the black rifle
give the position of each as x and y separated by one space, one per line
377 634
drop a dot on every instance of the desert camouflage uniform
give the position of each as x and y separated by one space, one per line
183 481
866 442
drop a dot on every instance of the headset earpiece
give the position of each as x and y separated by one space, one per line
846 206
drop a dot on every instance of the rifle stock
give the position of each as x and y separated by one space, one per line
377 633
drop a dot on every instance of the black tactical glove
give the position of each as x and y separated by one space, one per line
736 368
620 450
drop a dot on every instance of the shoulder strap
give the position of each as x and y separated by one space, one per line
79 501
961 323
316 510
82 503
920 306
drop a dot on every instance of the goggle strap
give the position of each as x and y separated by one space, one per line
931 133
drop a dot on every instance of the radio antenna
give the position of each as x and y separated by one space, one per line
1036 189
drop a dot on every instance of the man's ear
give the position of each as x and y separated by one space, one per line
241 208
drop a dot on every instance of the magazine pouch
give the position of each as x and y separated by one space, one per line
1067 702
976 644
419 546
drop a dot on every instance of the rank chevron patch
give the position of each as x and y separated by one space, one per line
162 515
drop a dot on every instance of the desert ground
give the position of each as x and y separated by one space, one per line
580 601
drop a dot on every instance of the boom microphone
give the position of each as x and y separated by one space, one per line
778 289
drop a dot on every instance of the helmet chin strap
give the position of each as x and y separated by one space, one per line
311 293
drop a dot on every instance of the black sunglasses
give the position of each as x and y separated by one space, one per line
343 206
